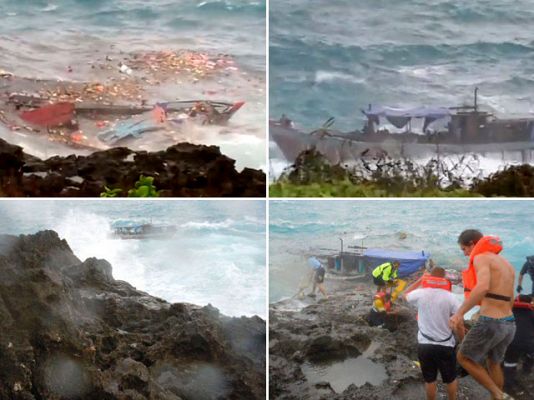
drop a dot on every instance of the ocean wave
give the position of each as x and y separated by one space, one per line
429 53
228 6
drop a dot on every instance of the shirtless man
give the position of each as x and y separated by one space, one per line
493 289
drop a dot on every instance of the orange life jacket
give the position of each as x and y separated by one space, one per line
430 281
487 244
383 297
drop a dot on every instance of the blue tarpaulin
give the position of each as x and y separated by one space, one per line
410 261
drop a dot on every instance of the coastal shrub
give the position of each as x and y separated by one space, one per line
108 192
313 176
144 187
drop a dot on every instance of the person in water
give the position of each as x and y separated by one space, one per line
528 268
488 282
436 349
522 347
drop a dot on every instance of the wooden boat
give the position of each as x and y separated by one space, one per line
388 130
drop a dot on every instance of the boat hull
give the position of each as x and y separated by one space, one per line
342 148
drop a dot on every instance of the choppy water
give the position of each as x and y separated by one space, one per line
299 229
333 58
217 255
42 38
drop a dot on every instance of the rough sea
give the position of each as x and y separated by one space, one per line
217 255
333 58
41 39
299 229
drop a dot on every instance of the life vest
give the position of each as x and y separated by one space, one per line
487 244
385 271
436 282
381 302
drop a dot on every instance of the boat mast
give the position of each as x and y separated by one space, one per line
476 99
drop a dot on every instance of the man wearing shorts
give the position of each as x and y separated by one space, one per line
318 279
493 289
436 348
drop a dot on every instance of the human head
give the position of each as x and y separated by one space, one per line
468 239
437 272
395 264
314 263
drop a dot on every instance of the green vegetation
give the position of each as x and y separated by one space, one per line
312 176
111 192
144 187
346 188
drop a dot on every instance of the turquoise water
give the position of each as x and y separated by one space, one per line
217 255
299 229
333 58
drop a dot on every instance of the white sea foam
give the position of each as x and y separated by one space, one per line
218 267
330 76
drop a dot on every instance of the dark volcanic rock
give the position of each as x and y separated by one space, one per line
182 170
337 328
513 181
68 330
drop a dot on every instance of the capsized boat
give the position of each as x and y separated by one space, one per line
90 124
134 230
411 133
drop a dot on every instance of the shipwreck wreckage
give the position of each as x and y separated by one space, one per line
94 125
445 130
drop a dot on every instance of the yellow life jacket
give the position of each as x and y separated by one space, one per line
386 271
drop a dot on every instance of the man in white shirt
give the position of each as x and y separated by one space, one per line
436 348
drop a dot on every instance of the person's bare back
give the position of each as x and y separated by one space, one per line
500 282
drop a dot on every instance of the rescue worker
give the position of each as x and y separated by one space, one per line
488 282
528 268
436 342
386 273
522 347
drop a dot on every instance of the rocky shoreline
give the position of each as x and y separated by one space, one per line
69 330
182 170
310 332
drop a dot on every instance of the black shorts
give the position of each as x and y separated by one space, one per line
434 358
379 281
319 275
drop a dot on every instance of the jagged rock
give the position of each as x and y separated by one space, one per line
184 169
335 329
513 181
68 330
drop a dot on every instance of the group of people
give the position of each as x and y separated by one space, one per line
503 329
501 332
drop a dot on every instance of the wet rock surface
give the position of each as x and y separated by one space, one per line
184 169
68 330
336 329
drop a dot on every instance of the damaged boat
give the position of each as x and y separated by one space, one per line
67 114
136 230
411 133
358 261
